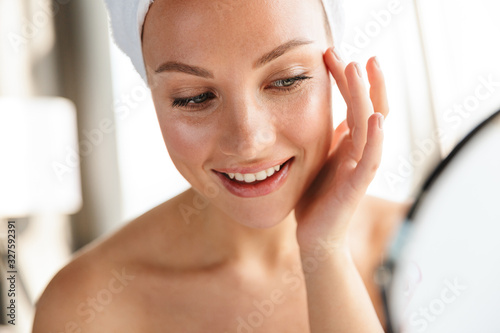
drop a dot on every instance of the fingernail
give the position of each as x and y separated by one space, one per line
375 60
380 121
358 69
335 54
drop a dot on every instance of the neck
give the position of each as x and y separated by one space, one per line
234 242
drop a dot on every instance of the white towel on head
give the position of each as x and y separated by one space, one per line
127 18
335 14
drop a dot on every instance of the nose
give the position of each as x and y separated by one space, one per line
248 129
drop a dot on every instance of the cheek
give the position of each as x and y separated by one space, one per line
188 142
309 117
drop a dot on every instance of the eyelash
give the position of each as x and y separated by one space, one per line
185 102
207 96
296 79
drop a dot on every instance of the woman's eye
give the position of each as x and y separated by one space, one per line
199 101
193 102
289 83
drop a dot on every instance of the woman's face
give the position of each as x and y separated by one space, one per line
239 88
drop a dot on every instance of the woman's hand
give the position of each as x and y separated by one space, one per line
324 212
337 299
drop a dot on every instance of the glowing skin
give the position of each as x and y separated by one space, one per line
252 118
225 104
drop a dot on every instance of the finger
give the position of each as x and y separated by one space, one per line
361 108
372 154
338 134
378 93
337 67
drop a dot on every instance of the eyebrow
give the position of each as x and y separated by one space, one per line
175 66
280 50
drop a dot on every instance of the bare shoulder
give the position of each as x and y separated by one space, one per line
77 293
84 293
379 215
97 289
373 224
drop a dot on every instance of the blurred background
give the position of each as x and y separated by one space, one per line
81 152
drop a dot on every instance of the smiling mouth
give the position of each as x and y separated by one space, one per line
254 178
248 185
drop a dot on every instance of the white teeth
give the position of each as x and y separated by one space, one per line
251 177
261 175
270 172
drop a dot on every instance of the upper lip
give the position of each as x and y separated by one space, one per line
254 168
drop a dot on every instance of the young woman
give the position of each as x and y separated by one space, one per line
242 91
